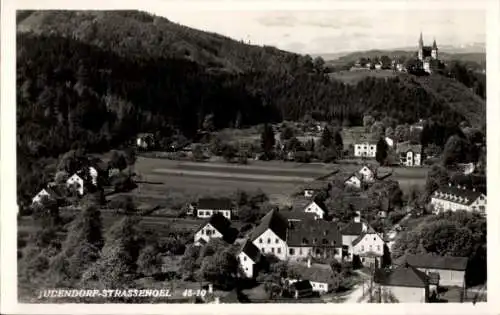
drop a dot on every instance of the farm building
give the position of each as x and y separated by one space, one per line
216 227
322 277
405 283
409 154
451 270
249 258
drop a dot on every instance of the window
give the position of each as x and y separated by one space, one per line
272 249
202 232
263 249
260 241
370 248
300 251
279 250
362 248
276 241
201 213
268 241
378 248
291 251
209 232
244 258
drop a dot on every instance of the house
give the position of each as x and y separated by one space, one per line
450 198
217 226
249 258
351 232
365 149
301 289
322 277
313 238
209 206
314 187
354 180
270 235
318 208
378 66
369 246
409 154
451 270
368 173
77 183
50 192
145 140
405 284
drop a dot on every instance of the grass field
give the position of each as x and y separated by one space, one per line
353 77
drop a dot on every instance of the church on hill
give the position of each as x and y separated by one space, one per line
428 55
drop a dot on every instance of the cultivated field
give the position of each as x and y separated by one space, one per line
353 77
161 178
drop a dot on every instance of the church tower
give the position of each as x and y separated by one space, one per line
434 52
421 47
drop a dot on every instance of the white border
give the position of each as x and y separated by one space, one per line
8 229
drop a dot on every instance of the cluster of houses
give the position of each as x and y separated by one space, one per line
406 153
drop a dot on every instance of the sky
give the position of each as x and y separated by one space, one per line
334 31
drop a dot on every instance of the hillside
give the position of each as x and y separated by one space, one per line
475 60
137 34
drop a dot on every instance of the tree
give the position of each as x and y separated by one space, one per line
149 261
130 159
229 152
402 133
432 150
319 64
377 130
368 121
386 62
197 153
208 123
339 143
436 177
381 154
189 262
61 177
454 151
389 132
118 160
326 138
267 140
220 269
287 133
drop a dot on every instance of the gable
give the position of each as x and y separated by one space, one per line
313 207
209 226
265 235
354 179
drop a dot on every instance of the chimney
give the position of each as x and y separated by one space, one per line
210 288
308 262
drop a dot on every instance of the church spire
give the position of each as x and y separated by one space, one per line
434 45
421 41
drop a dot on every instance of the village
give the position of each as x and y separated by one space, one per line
309 245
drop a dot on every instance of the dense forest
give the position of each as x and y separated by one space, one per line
93 80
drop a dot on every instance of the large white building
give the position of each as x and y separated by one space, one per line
409 154
450 198
365 149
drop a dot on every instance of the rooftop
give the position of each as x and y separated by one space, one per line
434 262
461 195
251 250
403 276
311 232
215 203
272 220
404 147
316 272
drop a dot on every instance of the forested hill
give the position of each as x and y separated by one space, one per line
95 79
138 34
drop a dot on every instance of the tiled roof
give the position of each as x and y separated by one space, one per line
402 276
353 228
215 203
404 147
298 215
429 261
251 251
456 195
355 174
317 273
370 231
314 233
272 220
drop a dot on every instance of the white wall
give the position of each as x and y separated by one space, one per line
448 277
407 294
353 182
370 243
247 264
314 208
448 205
40 195
268 242
365 149
207 213
75 179
206 233
299 252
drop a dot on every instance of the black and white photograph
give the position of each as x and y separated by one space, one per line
251 156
